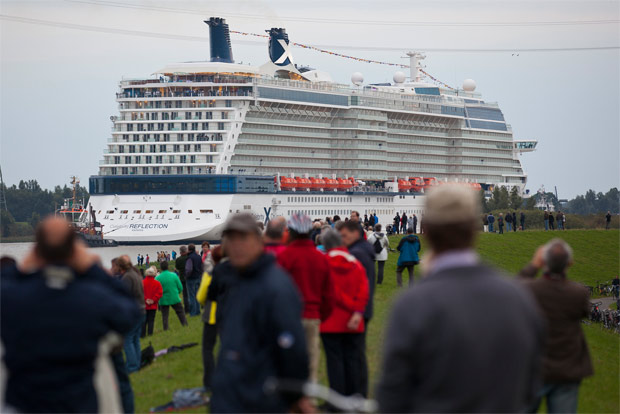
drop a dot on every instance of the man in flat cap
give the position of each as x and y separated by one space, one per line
260 327
466 339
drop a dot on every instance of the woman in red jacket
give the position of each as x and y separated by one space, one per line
152 293
342 332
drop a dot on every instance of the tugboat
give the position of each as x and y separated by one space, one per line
83 221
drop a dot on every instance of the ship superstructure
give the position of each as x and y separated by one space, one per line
199 130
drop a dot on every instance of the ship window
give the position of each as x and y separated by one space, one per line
137 211
206 211
162 212
124 211
189 211
176 211
149 211
110 212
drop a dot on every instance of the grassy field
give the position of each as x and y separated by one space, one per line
596 259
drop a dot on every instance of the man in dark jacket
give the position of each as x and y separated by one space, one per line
179 265
260 329
514 221
522 218
546 219
551 221
465 339
193 276
564 303
508 221
397 223
415 224
363 252
57 310
133 281
403 223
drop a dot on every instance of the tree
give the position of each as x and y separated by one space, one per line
6 222
515 199
530 204
483 202
503 199
35 218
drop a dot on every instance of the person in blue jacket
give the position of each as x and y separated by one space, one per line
491 220
408 247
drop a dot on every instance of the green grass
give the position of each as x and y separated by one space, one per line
596 259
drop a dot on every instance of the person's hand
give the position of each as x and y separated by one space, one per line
303 406
355 321
538 260
31 262
149 301
82 259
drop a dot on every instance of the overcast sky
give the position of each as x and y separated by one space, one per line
58 83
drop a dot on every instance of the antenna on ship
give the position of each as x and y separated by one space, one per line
3 205
414 65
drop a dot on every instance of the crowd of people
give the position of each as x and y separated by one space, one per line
462 338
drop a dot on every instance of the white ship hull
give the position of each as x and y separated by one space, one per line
134 219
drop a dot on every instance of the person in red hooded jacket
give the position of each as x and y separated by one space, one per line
310 271
152 293
342 332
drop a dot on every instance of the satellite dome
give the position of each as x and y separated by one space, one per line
399 77
357 79
469 85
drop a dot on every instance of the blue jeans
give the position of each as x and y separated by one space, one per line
561 398
192 290
124 384
546 225
132 349
509 226
490 227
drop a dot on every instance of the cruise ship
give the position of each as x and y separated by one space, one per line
197 141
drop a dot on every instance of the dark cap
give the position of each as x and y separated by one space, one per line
243 223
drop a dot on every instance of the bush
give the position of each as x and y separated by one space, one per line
534 220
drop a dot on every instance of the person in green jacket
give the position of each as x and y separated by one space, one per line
172 287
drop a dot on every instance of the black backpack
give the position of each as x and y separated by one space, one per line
377 245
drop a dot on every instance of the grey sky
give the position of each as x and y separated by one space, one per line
58 85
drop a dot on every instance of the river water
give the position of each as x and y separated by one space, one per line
19 251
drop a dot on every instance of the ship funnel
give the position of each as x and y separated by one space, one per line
279 48
219 40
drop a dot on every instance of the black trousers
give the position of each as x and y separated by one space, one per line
380 266
149 322
209 336
364 362
399 274
343 352
178 308
185 297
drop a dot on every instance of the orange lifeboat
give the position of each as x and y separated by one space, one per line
287 183
430 181
476 186
417 184
302 183
354 182
344 184
331 183
317 183
404 185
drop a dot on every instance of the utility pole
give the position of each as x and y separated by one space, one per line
3 205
